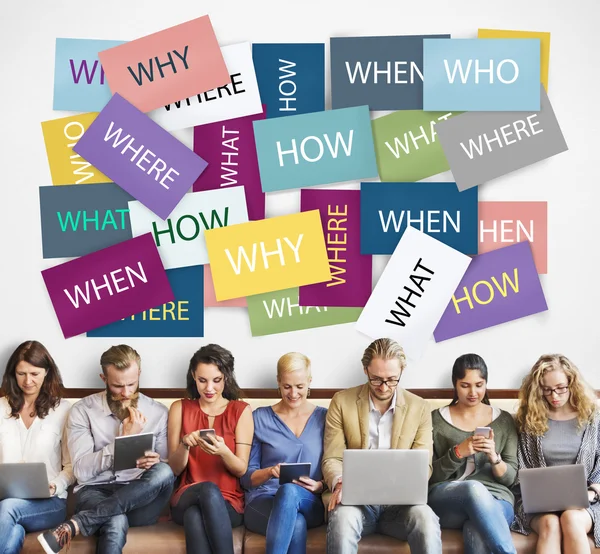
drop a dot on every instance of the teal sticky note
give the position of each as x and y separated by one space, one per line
79 81
315 149
481 74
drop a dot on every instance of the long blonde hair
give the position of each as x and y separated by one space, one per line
532 414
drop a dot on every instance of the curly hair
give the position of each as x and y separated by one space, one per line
223 359
532 414
51 392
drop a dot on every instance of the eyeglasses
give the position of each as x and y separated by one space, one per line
557 390
378 381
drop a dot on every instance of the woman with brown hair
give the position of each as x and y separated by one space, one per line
559 424
32 419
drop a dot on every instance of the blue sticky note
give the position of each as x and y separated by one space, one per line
481 74
436 209
184 317
315 149
291 77
79 81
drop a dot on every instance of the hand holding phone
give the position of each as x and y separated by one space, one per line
482 432
204 433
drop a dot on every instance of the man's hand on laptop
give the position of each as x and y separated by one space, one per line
148 460
336 495
134 423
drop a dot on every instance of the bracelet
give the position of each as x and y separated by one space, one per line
184 445
596 495
456 452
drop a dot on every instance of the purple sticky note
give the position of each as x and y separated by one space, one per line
230 150
140 156
351 276
108 285
499 286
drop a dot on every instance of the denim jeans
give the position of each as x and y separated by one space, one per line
284 518
207 519
18 517
485 520
416 524
109 510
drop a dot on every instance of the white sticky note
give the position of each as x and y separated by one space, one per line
413 291
180 237
238 98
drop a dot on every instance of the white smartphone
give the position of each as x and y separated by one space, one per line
482 432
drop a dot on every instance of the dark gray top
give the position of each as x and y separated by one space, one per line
562 442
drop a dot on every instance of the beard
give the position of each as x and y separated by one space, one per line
115 403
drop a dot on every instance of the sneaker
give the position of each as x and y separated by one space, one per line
54 540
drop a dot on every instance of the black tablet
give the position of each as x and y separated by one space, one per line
289 472
130 448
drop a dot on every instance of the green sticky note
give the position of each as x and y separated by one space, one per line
406 145
279 312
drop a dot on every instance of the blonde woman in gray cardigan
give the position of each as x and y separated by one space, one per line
472 475
559 424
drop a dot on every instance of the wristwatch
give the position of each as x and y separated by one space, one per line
498 459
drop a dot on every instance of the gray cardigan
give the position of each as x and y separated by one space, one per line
530 454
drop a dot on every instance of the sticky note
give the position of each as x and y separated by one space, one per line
279 312
504 223
413 291
182 317
230 150
166 66
406 145
80 219
291 77
482 146
481 75
180 239
237 98
210 299
315 149
141 157
66 166
498 287
544 39
385 73
437 209
79 81
351 273
107 285
271 254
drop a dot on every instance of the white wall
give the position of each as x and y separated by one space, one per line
568 182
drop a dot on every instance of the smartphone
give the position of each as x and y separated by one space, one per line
482 432
205 432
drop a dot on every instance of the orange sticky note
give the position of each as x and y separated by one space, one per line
165 67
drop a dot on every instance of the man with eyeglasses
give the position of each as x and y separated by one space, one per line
378 414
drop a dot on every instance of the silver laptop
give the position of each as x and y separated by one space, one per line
26 481
388 477
553 489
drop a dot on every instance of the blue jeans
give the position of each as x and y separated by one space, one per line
109 510
485 520
416 524
285 517
18 517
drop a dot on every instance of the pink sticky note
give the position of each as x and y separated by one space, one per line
504 223
161 68
108 285
210 298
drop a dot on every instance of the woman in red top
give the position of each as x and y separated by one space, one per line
209 492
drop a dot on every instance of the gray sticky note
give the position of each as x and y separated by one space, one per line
384 73
80 219
481 146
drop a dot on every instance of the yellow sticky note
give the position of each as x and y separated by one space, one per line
267 255
544 44
68 167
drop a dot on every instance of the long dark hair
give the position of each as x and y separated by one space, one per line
223 359
459 371
51 392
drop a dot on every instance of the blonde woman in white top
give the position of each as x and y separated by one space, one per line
32 419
